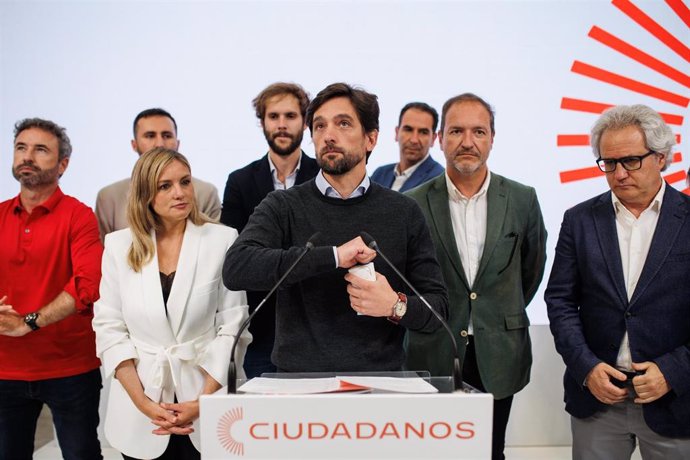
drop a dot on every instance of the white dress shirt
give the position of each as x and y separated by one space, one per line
289 180
468 216
634 238
401 177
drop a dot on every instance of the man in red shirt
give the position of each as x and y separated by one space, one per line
50 256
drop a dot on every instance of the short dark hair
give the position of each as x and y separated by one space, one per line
64 144
154 112
467 97
280 89
424 107
366 104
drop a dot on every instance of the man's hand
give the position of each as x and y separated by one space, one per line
599 383
11 323
651 385
371 298
354 252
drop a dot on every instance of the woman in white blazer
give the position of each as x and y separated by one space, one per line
164 323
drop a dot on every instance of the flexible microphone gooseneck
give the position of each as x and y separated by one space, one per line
232 366
457 370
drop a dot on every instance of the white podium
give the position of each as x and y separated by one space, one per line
347 426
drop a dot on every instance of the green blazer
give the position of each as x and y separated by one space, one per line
510 270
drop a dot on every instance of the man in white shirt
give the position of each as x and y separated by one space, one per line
490 241
152 128
415 135
619 299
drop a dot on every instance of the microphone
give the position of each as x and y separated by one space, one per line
457 370
232 366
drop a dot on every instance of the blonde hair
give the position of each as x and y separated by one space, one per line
140 214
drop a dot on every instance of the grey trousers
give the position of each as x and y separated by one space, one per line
612 433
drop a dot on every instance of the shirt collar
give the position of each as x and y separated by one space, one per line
272 167
327 189
455 195
49 204
408 172
654 205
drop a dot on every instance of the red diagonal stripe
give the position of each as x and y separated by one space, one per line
653 27
583 106
628 83
677 157
672 119
681 10
687 191
580 105
678 139
638 55
580 174
675 177
569 140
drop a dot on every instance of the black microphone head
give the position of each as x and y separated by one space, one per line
368 240
311 242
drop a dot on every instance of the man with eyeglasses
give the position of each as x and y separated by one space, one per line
619 298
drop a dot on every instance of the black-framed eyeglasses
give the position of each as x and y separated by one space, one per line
630 163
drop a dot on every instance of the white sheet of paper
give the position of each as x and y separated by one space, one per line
263 385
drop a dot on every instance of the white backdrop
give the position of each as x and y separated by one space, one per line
92 66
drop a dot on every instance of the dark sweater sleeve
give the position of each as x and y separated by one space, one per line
424 273
263 252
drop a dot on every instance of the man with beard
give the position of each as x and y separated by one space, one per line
327 319
152 128
50 268
280 108
415 135
490 241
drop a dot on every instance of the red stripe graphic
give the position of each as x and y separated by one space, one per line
675 177
681 10
577 140
580 105
570 140
638 55
653 27
627 83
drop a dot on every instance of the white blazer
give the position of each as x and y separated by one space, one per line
130 323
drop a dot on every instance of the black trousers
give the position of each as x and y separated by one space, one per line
470 374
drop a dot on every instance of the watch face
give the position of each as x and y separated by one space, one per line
30 320
400 308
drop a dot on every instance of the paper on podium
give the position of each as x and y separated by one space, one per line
263 385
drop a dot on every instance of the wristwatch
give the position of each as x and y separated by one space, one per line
399 309
30 321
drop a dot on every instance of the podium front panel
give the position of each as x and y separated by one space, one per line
346 426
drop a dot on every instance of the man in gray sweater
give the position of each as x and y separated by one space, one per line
329 320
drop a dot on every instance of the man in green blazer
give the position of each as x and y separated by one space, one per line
490 242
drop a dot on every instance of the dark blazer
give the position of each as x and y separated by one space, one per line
244 190
246 187
510 270
385 175
589 310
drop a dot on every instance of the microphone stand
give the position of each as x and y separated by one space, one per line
457 370
232 366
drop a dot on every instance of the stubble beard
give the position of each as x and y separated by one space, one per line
40 177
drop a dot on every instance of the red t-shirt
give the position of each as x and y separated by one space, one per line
55 248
